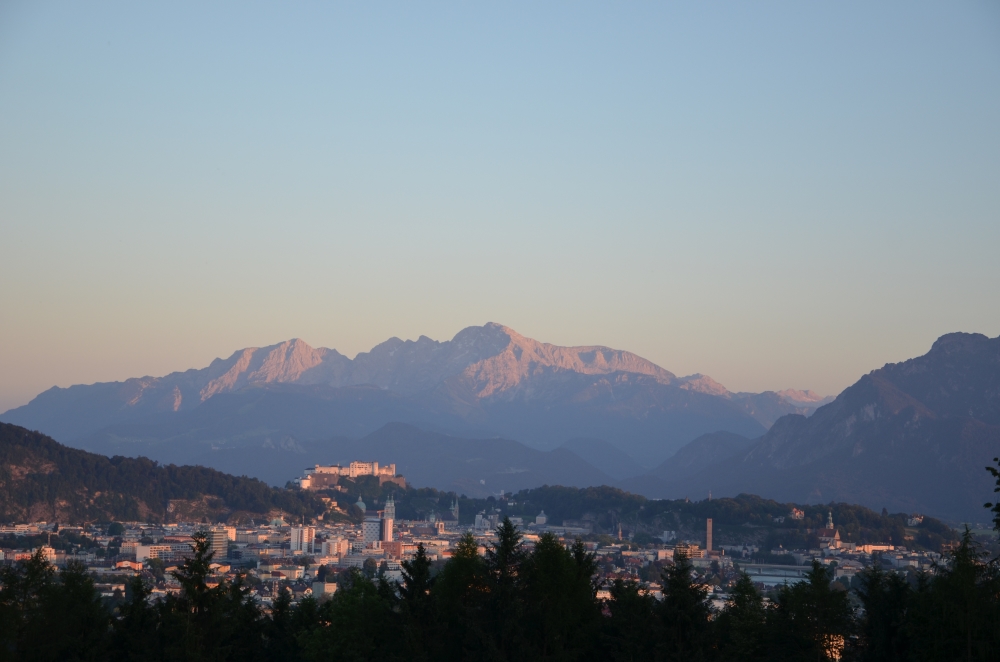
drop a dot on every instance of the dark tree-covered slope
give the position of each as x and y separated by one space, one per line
40 479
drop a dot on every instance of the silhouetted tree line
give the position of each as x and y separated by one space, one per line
509 604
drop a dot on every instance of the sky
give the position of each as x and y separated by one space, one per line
779 195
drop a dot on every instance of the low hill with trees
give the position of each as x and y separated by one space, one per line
40 479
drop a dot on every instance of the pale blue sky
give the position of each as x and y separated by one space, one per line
774 194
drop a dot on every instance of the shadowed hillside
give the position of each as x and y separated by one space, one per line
41 479
911 436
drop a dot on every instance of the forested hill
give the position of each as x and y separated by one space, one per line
40 479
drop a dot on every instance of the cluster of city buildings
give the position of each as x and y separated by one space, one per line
274 555
844 559
304 558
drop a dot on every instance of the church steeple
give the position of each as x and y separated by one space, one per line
829 520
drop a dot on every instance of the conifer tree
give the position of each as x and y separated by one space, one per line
134 629
358 623
886 598
811 620
460 598
684 612
995 507
46 615
957 612
416 605
631 629
741 625
560 609
505 601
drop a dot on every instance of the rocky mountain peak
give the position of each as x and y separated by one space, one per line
487 360
282 363
804 398
703 384
951 343
523 358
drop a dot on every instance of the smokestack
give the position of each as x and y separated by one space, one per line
708 535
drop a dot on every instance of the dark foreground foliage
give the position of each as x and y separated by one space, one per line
509 604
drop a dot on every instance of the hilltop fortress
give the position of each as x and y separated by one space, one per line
324 477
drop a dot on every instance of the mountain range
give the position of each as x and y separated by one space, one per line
492 410
488 381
